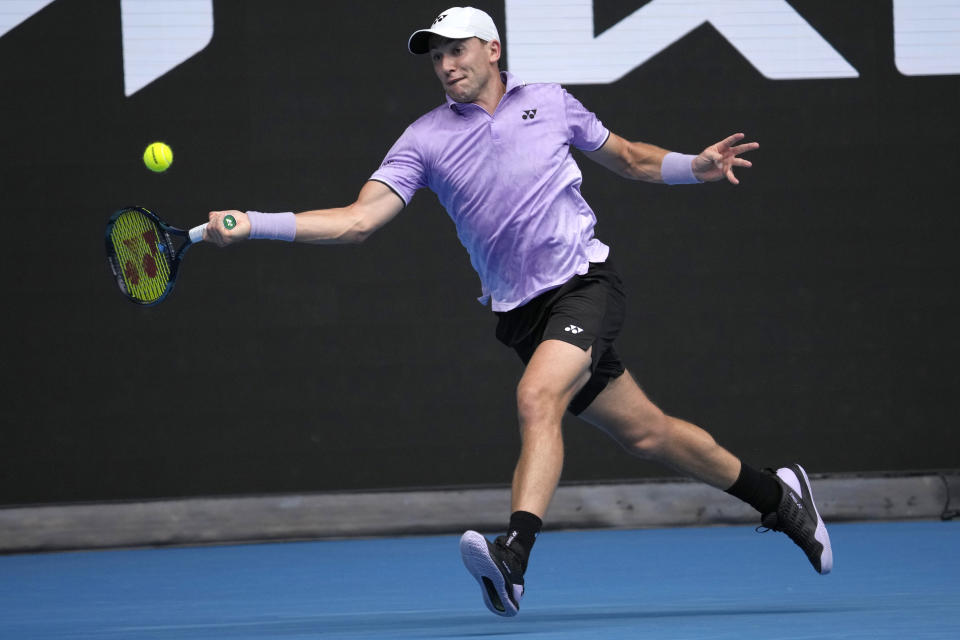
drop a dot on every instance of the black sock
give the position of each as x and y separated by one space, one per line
523 528
758 489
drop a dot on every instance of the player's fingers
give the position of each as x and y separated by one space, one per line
728 169
731 140
744 148
228 227
214 229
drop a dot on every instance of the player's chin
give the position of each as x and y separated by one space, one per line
460 94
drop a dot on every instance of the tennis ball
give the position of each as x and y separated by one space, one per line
158 157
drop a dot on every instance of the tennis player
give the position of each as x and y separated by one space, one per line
497 154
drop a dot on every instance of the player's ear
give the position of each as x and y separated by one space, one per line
495 50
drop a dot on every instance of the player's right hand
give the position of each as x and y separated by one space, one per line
218 233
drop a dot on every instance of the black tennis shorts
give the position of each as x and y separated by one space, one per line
587 311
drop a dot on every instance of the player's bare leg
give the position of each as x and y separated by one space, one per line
784 499
553 376
624 412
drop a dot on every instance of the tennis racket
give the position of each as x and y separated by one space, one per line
142 254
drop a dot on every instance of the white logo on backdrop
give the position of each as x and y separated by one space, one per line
926 37
553 40
158 35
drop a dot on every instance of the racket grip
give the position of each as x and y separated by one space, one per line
196 234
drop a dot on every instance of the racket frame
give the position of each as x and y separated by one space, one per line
165 243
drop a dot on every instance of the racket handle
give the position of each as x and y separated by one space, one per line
196 234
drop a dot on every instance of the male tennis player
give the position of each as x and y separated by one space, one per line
497 154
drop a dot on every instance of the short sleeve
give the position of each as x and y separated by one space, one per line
403 168
586 131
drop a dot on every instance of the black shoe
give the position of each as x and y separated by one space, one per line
797 516
498 570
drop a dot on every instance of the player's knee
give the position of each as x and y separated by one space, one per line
536 404
649 438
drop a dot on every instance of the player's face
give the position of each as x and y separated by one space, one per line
464 67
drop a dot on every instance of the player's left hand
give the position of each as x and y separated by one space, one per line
717 161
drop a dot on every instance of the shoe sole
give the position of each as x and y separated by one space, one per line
475 553
821 535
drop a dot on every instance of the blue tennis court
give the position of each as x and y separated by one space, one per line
891 580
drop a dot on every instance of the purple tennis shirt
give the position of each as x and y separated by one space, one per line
510 185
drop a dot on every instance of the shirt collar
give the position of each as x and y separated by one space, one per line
512 82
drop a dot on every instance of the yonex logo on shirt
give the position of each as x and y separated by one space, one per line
574 329
529 113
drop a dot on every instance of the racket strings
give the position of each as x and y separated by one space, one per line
140 249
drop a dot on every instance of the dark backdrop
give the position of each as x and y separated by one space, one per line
808 314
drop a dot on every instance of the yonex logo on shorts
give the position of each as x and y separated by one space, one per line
529 113
573 329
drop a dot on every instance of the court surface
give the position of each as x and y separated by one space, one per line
891 580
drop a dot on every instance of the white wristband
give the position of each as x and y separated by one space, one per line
677 168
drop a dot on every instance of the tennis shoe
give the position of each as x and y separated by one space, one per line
797 516
498 570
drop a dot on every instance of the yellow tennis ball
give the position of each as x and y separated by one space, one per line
158 157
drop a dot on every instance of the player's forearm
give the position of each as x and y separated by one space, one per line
642 161
376 205
632 160
343 225
647 162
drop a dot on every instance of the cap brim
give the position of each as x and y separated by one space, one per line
419 42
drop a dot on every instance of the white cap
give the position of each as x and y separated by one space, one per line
455 23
